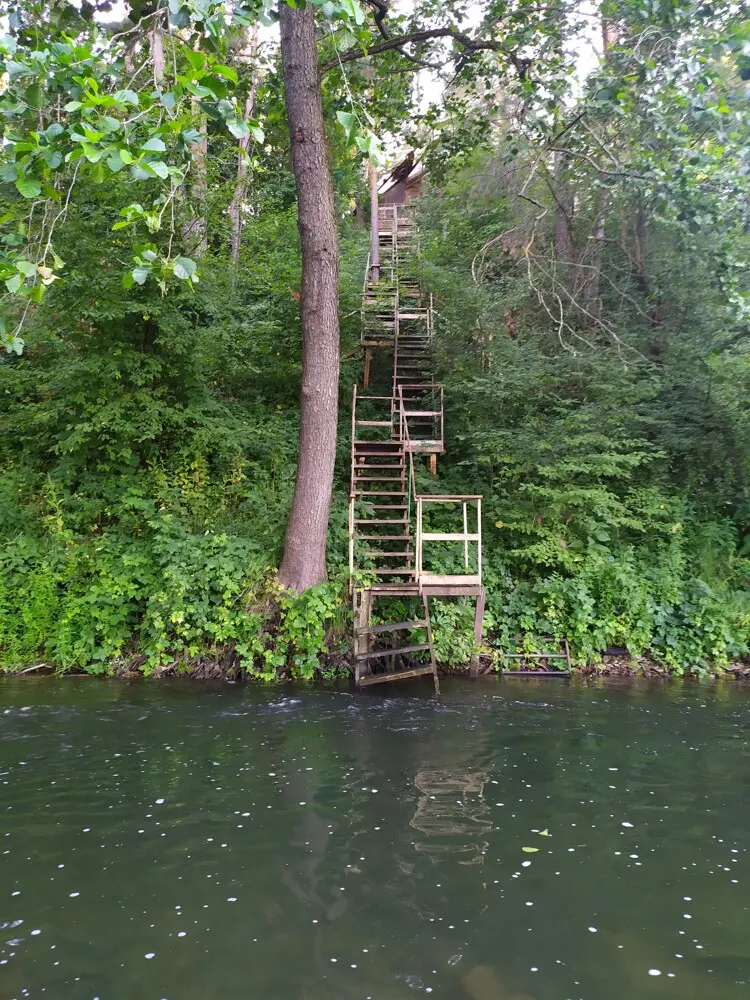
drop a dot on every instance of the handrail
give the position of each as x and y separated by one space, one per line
352 494
420 498
431 405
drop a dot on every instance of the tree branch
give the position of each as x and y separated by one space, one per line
469 44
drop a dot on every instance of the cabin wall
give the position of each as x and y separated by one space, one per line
403 191
395 195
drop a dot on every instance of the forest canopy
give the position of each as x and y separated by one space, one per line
584 230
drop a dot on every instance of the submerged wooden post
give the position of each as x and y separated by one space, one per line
374 226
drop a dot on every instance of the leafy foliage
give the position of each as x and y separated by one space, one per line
588 249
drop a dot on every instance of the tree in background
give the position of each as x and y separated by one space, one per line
158 418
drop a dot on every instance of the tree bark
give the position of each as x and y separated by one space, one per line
565 251
304 563
157 54
240 184
374 225
199 226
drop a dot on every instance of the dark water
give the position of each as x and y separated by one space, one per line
189 844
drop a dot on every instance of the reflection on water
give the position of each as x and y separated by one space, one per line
452 812
507 842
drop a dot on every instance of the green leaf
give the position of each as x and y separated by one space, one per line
196 59
92 154
140 274
227 72
238 127
73 105
14 344
26 268
154 145
125 155
168 99
53 158
347 119
8 172
191 136
115 162
157 167
184 268
197 90
126 97
34 96
530 850
29 187
13 283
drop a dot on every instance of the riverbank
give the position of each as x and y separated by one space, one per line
224 666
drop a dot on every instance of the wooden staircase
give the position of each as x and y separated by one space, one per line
386 531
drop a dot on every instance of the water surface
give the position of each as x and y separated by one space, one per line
179 843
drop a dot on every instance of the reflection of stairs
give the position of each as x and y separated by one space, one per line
453 815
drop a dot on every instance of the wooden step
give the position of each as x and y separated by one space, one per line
383 538
380 493
398 651
390 627
395 675
391 461
388 506
373 423
404 571
388 555
394 457
374 520
382 444
379 479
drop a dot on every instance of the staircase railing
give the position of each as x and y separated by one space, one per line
389 404
466 538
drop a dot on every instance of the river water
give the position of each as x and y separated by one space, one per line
515 839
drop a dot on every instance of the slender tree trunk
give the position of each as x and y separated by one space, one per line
198 228
157 53
374 225
592 258
565 251
640 243
199 189
240 184
304 563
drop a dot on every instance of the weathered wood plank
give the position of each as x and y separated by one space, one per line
392 626
395 675
398 651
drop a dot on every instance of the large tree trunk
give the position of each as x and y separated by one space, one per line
304 563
